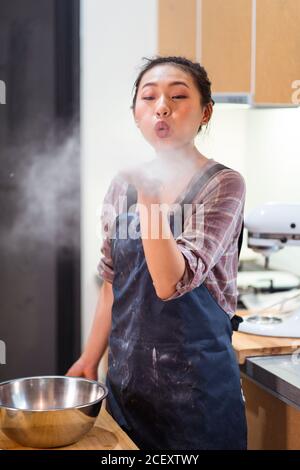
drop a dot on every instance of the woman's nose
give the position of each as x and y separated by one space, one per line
162 110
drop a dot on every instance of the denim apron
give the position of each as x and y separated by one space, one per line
173 378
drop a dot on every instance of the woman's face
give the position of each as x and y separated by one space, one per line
168 109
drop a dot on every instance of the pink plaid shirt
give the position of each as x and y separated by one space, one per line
212 256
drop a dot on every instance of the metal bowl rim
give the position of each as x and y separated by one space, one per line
104 388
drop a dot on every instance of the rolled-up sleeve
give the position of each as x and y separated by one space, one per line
212 227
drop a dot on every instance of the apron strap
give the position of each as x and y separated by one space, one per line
202 181
131 196
240 240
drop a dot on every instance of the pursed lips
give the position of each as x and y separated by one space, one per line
161 126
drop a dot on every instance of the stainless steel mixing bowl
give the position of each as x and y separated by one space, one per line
49 411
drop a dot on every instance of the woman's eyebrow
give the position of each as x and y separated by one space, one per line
170 84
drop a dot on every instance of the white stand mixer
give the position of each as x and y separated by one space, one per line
271 227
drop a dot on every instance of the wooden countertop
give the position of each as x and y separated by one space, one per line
246 345
105 435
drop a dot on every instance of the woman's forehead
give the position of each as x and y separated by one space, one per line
164 73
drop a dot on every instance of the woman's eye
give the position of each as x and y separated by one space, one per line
176 97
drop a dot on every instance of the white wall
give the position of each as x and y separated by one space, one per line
115 36
225 138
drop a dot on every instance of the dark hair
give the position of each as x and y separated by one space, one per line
196 70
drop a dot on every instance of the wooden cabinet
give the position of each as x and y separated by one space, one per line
249 47
277 50
226 43
272 424
177 27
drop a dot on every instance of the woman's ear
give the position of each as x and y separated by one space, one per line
208 110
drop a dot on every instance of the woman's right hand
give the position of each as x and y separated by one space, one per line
87 364
83 368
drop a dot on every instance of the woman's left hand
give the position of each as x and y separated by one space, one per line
149 188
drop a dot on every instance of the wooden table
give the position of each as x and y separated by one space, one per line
246 345
105 435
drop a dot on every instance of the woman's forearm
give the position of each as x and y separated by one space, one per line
98 338
164 260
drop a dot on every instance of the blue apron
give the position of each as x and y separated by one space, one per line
173 379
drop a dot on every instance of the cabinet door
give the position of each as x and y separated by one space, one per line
177 28
277 50
226 43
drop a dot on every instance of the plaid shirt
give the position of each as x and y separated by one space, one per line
211 255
